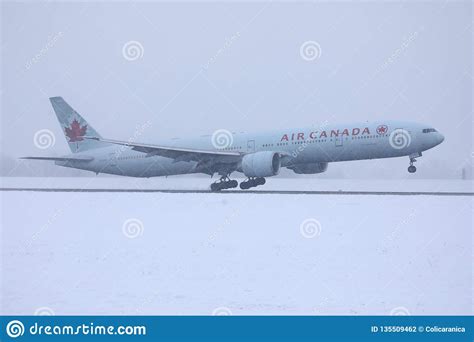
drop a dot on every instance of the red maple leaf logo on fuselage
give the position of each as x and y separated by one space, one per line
76 131
382 129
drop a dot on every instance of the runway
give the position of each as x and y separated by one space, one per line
243 192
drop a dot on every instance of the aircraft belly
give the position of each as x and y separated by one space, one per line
350 151
161 166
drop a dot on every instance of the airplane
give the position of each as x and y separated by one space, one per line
257 156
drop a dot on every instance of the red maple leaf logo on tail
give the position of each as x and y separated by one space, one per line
76 131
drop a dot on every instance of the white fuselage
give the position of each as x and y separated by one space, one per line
319 144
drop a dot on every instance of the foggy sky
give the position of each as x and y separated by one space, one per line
238 66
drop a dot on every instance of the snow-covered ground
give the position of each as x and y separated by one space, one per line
259 254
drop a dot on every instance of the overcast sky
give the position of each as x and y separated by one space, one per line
239 66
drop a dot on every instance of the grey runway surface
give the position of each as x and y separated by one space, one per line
242 192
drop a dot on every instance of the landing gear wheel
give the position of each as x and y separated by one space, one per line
413 156
245 185
252 182
224 183
215 187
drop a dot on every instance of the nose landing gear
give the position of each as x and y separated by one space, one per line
224 183
412 168
252 182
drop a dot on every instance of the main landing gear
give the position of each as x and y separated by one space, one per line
224 183
252 182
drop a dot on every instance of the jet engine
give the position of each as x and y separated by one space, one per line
309 168
261 164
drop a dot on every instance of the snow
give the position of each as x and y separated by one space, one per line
196 253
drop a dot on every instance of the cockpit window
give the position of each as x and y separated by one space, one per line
429 130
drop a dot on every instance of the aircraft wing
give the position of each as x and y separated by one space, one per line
177 153
78 158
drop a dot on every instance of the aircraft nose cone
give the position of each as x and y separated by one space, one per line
441 138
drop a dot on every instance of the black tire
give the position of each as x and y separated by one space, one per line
215 187
412 169
244 185
233 184
260 181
